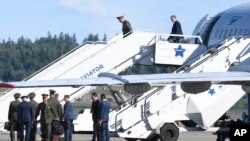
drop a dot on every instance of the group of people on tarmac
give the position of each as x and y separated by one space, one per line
100 114
176 28
23 115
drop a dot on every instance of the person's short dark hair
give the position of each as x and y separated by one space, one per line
31 95
52 92
17 95
94 94
103 96
66 96
173 16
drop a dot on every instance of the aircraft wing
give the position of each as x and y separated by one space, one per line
187 80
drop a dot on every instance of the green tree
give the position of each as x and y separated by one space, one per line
20 59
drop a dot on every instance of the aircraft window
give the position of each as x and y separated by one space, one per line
226 32
221 33
240 32
245 32
235 31
231 32
248 31
216 34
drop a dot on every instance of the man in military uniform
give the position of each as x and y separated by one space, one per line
34 107
48 112
53 100
12 116
60 108
55 103
126 26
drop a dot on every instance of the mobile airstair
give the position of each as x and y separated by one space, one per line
157 113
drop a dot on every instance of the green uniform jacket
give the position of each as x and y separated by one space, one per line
47 112
57 106
126 28
12 115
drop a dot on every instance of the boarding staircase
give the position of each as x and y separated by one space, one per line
88 60
169 104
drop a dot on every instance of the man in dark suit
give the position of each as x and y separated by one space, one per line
104 119
25 117
34 107
126 26
12 116
95 110
176 29
47 113
68 117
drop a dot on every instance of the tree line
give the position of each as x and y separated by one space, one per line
19 59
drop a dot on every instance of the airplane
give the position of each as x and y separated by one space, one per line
231 22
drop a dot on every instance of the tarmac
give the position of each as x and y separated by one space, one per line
190 136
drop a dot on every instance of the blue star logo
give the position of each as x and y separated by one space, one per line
211 92
179 51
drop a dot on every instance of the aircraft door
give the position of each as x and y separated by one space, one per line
207 29
200 25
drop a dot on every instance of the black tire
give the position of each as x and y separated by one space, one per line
169 132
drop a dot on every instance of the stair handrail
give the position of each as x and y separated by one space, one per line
133 104
207 51
216 52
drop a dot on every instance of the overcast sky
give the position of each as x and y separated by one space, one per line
34 18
